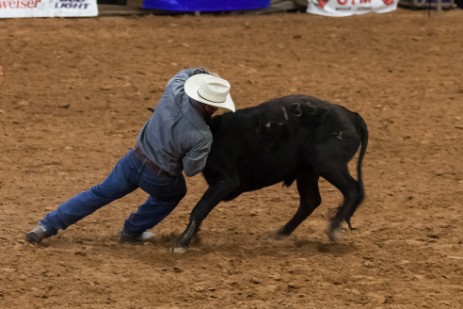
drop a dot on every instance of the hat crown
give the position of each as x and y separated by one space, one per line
210 90
214 89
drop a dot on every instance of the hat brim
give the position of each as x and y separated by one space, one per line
191 89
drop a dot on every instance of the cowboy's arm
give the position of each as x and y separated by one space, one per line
195 159
177 82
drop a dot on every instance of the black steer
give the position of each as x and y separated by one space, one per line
293 138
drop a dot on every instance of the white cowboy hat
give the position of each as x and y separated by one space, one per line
210 90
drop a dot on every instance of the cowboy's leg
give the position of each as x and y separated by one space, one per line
118 183
165 194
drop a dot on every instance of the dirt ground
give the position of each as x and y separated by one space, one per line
75 92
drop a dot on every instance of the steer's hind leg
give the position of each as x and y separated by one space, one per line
307 186
339 177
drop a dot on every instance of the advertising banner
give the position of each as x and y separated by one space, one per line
205 5
350 7
47 8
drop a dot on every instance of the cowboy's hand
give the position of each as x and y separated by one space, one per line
201 71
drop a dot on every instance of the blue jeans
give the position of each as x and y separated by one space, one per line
130 173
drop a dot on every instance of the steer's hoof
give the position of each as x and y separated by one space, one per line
335 235
179 249
277 235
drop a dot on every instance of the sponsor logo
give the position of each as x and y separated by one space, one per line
72 4
354 2
322 3
32 4
347 4
19 4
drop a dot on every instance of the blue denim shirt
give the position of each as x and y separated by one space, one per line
176 137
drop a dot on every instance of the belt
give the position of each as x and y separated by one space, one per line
150 164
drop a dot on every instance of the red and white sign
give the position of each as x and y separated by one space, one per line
350 7
47 8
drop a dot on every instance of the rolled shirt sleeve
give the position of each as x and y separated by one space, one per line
195 159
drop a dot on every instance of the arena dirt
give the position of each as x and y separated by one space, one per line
75 92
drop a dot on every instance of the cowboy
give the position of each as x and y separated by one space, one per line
176 138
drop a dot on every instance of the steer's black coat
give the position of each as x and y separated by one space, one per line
294 138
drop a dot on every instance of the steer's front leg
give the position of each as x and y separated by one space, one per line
210 199
183 241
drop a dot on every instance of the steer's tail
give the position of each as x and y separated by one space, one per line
363 130
362 127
